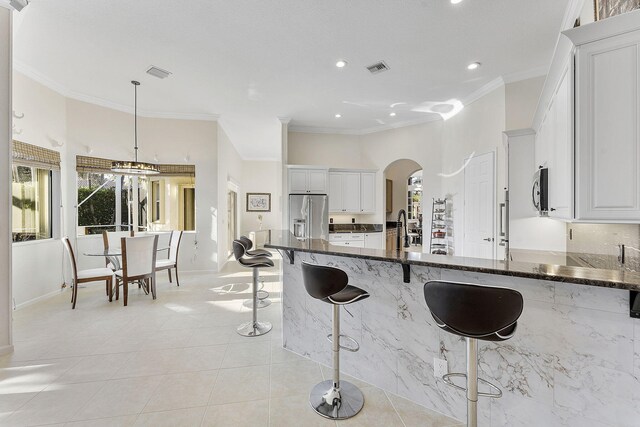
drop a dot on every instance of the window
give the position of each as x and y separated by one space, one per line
31 203
114 202
34 172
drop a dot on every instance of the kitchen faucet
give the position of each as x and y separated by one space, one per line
402 213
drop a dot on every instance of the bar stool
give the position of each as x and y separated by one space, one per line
334 399
262 294
252 328
475 312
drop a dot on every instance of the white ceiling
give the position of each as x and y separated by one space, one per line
252 61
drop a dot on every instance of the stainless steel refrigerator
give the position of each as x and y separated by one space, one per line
309 216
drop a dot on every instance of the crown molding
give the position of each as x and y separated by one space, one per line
525 75
484 90
519 132
68 93
285 120
365 131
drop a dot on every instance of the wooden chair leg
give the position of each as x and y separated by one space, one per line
110 286
107 287
75 295
169 272
125 291
117 289
152 285
177 280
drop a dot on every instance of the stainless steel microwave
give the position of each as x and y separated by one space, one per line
540 191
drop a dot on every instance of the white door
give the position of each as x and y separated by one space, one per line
298 181
335 192
368 192
479 205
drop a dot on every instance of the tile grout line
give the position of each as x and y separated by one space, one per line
386 394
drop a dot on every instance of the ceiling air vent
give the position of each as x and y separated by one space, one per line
158 72
378 67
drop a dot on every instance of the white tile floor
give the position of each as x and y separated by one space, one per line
176 361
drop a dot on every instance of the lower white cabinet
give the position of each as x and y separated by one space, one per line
357 240
373 240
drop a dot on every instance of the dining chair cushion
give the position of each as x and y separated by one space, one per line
94 272
139 255
165 263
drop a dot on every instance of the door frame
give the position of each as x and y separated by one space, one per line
232 185
494 153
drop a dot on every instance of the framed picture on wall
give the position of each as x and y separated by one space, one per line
258 202
607 8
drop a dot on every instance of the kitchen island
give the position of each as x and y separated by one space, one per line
575 359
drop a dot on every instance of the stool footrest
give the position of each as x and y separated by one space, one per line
447 379
353 349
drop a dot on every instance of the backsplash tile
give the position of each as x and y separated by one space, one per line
597 244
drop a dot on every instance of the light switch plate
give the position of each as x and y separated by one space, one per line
440 367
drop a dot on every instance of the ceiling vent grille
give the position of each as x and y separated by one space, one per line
158 72
378 67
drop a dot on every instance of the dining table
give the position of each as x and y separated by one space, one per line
113 255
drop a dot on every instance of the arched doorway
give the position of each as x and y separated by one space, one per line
403 190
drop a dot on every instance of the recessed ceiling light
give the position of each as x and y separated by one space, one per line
341 63
392 114
456 1
473 66
338 116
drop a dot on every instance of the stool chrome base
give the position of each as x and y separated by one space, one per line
345 402
254 329
262 303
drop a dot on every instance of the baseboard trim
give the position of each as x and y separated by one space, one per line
38 299
6 349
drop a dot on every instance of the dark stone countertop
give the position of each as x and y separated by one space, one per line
618 279
355 228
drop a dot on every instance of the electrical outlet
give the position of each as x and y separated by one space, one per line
440 367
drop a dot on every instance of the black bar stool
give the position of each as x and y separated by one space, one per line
475 312
262 294
253 328
334 399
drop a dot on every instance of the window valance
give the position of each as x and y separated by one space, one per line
32 155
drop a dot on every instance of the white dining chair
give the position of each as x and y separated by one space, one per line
172 260
111 240
138 264
86 276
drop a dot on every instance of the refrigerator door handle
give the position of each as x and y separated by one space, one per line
503 207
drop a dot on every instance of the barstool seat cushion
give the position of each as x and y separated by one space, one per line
487 313
256 262
348 295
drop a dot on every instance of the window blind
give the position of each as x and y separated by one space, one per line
31 155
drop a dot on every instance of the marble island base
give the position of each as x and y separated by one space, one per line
575 359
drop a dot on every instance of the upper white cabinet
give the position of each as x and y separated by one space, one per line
352 192
312 181
607 129
588 123
368 192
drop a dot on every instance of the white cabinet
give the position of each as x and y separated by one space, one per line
352 192
373 240
608 129
344 192
560 149
554 147
354 240
312 181
368 192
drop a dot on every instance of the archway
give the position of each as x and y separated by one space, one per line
403 190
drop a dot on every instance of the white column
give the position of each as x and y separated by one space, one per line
284 177
5 181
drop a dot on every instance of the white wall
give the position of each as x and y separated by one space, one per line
5 166
229 168
521 100
43 124
261 177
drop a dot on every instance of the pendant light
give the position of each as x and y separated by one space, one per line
135 167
